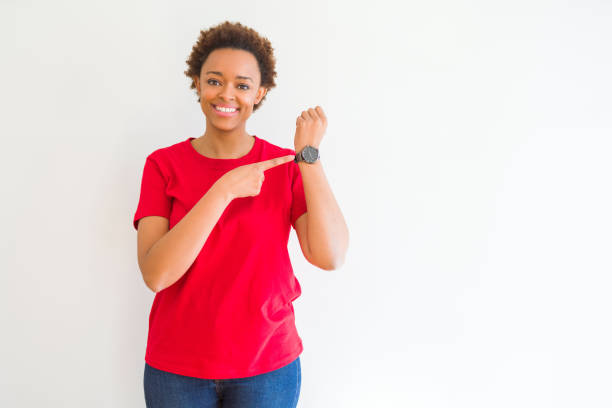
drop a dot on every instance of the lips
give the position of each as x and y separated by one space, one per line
225 114
225 106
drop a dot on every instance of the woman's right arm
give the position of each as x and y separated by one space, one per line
165 255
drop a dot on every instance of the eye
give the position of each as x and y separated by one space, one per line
214 82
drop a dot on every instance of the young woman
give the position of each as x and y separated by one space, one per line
213 222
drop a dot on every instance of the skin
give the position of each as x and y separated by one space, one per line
322 230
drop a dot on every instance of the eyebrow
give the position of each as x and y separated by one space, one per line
237 76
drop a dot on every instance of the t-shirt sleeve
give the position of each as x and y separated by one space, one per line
153 197
298 201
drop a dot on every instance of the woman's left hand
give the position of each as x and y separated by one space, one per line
310 128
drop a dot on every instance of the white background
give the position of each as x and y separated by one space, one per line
468 146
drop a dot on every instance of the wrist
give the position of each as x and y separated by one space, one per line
303 164
219 189
298 148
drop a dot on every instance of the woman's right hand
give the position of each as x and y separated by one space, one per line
246 181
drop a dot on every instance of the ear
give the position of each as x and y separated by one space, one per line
197 83
261 92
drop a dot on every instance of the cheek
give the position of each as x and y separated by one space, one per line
248 102
207 93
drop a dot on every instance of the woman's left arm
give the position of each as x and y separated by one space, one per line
324 232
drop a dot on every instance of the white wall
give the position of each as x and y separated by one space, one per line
468 146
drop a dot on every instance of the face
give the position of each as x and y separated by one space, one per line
229 79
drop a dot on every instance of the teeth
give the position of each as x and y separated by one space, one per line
225 109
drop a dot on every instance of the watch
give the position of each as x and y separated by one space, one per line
308 154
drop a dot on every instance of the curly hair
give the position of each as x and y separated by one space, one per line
237 36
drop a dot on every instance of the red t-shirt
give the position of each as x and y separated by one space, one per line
231 314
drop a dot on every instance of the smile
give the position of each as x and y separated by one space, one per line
224 110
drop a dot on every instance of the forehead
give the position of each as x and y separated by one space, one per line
232 62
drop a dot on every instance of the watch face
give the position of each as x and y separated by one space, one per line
310 154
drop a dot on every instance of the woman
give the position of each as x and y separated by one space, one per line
213 221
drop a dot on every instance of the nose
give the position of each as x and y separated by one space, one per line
226 93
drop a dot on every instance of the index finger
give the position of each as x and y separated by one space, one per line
277 161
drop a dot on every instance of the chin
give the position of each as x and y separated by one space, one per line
221 125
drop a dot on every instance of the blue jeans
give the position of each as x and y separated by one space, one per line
275 389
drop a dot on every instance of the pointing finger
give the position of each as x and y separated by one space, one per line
268 164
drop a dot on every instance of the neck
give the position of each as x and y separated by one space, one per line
220 144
